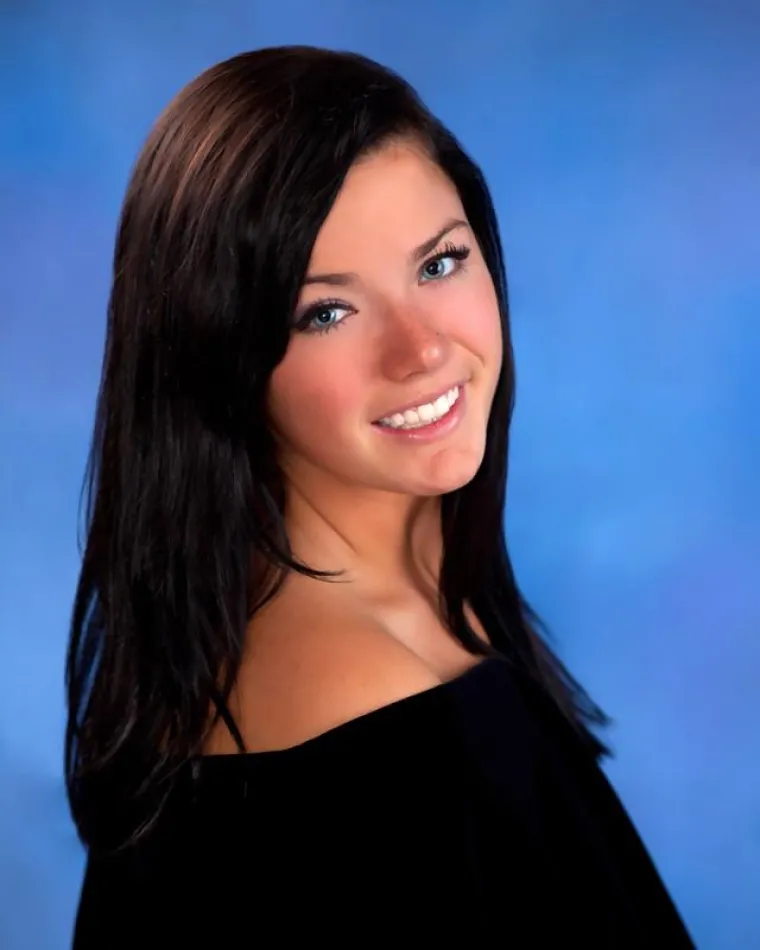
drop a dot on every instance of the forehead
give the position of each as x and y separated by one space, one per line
393 200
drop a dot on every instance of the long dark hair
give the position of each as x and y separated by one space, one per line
185 538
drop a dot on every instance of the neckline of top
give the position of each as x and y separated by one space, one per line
214 761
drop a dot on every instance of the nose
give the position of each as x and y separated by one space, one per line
412 345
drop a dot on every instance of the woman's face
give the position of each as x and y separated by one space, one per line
397 310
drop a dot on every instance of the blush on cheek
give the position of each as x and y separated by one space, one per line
309 402
486 323
480 332
327 403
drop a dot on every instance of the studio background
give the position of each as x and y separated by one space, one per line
622 144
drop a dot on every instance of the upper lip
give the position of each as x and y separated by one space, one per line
420 401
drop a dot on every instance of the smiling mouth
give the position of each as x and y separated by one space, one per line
425 414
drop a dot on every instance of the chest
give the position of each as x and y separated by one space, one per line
416 625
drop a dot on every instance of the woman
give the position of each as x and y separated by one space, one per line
306 698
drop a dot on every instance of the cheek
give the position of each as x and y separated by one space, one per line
310 397
473 318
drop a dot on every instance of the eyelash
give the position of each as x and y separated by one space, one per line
458 252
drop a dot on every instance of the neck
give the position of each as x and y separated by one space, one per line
375 537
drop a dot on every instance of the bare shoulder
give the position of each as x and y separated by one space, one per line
308 669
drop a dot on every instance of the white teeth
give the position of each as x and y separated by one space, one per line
422 415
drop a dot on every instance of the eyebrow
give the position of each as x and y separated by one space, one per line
422 250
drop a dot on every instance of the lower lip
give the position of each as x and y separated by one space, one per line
433 430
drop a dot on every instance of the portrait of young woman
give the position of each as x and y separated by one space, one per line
306 697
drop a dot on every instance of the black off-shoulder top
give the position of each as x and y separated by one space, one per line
468 815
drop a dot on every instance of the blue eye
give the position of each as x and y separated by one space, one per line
438 267
445 264
323 316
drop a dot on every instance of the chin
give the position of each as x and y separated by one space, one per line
445 474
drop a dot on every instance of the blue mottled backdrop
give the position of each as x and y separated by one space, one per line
622 142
